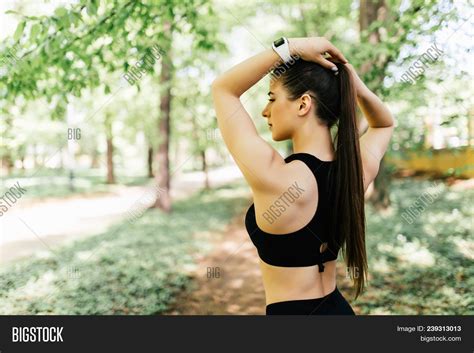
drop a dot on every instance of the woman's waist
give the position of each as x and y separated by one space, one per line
293 283
304 300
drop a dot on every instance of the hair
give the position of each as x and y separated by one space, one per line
336 106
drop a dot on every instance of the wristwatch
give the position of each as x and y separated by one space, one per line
282 48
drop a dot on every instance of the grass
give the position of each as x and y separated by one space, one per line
423 264
133 268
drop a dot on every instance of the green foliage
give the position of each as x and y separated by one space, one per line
426 267
68 51
408 28
19 31
84 48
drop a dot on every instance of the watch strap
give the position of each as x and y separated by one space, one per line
282 48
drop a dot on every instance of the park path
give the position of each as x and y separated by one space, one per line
238 287
37 226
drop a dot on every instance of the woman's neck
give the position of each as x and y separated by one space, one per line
315 139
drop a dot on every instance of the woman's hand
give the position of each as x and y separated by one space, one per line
314 48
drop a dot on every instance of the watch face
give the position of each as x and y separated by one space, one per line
279 42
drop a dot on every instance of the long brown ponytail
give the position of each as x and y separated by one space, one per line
349 221
336 105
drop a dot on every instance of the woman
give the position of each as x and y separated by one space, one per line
309 205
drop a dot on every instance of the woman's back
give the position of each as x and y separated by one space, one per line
291 231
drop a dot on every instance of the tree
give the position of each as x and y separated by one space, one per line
386 27
63 54
369 12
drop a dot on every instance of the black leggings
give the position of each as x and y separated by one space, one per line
332 304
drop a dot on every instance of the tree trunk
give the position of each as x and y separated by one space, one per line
150 161
370 11
163 200
7 160
7 163
110 149
201 148
207 185
110 161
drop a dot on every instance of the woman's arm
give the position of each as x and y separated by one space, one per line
259 162
256 158
376 113
241 77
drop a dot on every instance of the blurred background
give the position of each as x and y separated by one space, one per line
118 195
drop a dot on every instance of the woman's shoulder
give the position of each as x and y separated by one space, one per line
296 183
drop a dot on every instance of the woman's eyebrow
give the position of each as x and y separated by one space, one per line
270 92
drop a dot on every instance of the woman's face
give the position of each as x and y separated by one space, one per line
281 113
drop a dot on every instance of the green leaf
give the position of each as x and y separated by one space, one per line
74 18
65 22
34 31
92 8
19 31
12 12
60 12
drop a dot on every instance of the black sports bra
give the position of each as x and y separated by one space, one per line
302 247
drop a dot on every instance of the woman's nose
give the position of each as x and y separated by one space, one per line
265 112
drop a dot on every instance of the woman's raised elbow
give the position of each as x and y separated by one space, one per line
217 84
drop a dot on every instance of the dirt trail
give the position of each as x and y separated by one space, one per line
237 289
36 226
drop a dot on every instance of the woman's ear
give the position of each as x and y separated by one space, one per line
304 104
